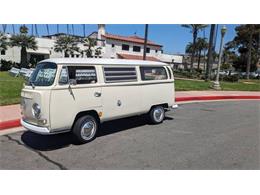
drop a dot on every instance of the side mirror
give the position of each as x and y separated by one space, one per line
72 82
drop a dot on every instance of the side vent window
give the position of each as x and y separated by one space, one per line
120 74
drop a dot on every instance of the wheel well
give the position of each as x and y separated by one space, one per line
165 105
87 112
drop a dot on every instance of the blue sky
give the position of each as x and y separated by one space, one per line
173 37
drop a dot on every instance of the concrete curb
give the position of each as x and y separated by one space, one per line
9 124
16 123
217 97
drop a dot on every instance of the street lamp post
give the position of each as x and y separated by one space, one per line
216 84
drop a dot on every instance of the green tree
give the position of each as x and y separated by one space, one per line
195 28
201 45
90 43
66 44
98 51
246 43
24 41
3 42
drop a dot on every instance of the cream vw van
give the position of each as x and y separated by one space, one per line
79 94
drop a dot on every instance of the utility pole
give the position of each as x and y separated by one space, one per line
58 30
84 30
216 84
13 29
210 52
47 26
145 41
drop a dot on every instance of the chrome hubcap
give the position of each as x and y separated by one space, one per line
88 130
158 114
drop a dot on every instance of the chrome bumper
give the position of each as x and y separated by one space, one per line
35 129
175 106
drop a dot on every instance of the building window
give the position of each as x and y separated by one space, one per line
125 47
80 74
3 52
136 48
120 74
113 45
153 73
72 55
147 50
156 51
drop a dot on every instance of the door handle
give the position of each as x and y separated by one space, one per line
97 94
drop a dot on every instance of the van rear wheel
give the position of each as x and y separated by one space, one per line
85 129
157 114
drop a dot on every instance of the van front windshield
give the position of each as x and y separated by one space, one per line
43 75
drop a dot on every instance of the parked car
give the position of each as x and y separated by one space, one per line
80 94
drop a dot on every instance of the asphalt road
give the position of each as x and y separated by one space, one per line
215 135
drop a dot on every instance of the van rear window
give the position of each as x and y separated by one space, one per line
153 73
120 74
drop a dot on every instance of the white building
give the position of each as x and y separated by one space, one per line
112 46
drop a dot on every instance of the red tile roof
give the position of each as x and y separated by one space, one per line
134 39
136 57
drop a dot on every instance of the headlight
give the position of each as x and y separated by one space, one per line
36 110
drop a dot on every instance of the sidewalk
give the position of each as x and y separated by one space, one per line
10 115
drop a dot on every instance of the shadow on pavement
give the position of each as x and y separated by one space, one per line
54 142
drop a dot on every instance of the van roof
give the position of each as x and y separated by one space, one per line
102 61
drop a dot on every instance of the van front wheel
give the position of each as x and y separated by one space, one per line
85 129
157 114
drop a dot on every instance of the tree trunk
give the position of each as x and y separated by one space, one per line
23 61
66 55
210 52
193 49
249 55
198 68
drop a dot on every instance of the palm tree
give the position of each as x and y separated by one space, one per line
3 42
189 48
90 43
98 51
201 45
67 45
24 41
195 28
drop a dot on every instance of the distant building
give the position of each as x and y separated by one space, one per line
112 46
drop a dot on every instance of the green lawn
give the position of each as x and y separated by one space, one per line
10 87
188 85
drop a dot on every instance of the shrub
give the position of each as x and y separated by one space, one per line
7 65
226 66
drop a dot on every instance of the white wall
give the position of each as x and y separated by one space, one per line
111 52
168 58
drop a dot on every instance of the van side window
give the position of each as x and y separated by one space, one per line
64 79
82 74
153 73
119 74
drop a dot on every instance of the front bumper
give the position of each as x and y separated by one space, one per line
35 129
